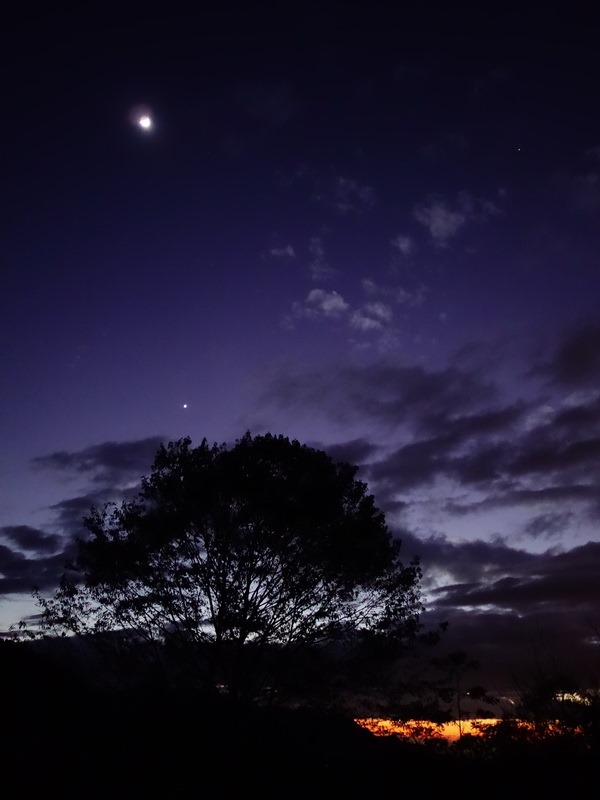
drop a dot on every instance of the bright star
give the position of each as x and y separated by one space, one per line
145 122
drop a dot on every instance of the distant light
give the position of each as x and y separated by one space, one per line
145 122
185 405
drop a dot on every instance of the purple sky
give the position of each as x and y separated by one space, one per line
375 231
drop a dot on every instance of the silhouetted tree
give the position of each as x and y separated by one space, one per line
453 691
228 556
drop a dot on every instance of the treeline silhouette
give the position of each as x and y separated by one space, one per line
66 731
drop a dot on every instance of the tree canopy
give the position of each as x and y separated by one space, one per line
266 545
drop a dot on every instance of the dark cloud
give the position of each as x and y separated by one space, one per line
20 573
383 393
579 420
512 650
482 423
551 579
483 465
518 612
468 448
70 513
450 428
575 457
31 539
548 525
356 451
466 561
412 465
527 497
576 361
107 463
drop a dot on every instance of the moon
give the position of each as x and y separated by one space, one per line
141 117
185 405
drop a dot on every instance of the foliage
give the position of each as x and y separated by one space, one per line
228 555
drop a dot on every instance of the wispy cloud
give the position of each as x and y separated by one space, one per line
580 190
319 303
395 294
372 316
319 267
444 220
282 252
351 196
404 244
337 192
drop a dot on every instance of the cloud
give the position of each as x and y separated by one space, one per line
515 612
108 463
548 524
363 322
576 360
319 304
351 196
467 562
282 252
482 456
114 470
556 579
327 304
445 220
513 648
355 451
382 393
507 606
466 448
404 244
319 267
442 222
580 190
30 539
577 458
341 193
528 497
19 573
395 294
70 513
372 316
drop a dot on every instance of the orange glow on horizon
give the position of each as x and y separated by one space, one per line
423 729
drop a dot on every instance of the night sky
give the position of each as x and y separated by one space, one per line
374 229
